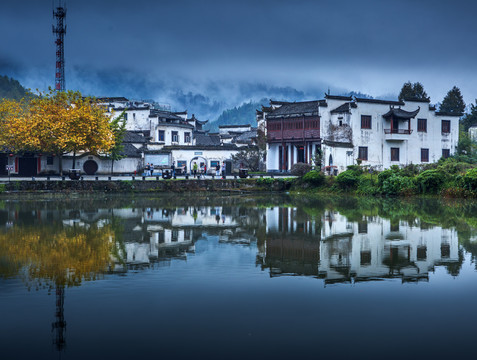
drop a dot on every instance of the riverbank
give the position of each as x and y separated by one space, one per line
144 186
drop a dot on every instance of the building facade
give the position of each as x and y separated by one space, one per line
375 133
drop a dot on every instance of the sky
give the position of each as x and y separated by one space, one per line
238 50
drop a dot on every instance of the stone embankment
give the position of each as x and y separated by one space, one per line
139 186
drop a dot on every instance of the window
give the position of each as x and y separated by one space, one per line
125 116
362 227
365 122
422 125
161 135
424 155
394 154
445 153
365 258
49 160
363 153
394 226
446 126
175 136
187 137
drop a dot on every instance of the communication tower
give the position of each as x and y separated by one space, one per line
60 31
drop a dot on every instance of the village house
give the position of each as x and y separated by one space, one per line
376 133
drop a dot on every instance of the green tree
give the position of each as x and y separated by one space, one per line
118 126
453 102
248 158
413 91
470 119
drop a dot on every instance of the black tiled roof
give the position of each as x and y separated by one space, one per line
297 108
112 99
345 108
246 137
207 140
164 114
338 97
130 151
427 100
234 126
175 124
400 113
201 147
134 137
377 101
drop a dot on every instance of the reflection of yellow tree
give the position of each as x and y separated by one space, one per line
63 256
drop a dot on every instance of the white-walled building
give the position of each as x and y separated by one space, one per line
379 133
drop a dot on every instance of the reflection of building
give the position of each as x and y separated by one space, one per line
292 243
339 250
381 248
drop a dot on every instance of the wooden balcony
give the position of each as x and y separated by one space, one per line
293 135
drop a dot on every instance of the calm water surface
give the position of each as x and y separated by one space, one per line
237 277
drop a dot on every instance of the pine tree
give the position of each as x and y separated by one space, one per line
470 119
414 91
453 102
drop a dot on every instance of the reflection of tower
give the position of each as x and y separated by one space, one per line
60 324
60 32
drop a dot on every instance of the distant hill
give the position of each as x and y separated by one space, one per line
11 88
245 113
239 115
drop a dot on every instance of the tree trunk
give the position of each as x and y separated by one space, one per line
112 166
74 160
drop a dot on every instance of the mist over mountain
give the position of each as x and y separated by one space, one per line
11 88
220 102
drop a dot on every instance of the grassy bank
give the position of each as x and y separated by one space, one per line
448 178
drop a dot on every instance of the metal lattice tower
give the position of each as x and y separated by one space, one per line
60 31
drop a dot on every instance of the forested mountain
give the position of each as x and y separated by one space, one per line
11 88
239 115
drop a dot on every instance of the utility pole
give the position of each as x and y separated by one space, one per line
60 31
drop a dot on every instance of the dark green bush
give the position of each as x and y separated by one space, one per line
430 181
367 186
383 176
347 180
314 178
398 185
300 169
355 169
470 179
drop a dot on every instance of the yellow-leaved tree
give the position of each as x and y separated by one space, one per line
56 123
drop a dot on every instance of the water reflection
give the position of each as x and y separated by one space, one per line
61 244
340 247
67 242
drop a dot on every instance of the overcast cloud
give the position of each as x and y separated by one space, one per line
151 49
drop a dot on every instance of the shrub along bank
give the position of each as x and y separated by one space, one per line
446 178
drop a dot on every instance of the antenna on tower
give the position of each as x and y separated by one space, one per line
60 30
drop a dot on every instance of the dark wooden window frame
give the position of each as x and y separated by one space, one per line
363 153
424 155
422 125
446 126
394 154
366 122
